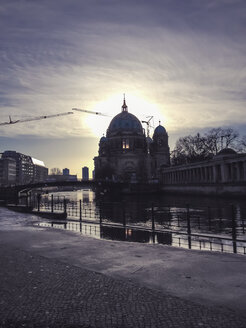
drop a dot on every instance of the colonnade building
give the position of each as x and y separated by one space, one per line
224 173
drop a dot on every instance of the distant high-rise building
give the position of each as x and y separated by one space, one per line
65 171
85 173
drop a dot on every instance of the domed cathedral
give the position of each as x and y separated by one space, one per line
127 155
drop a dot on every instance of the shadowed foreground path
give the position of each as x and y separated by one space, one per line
40 292
56 278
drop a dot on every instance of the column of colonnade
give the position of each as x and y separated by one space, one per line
232 170
244 170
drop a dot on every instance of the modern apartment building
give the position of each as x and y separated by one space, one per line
7 171
21 169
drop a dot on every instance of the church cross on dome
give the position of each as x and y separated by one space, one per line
124 106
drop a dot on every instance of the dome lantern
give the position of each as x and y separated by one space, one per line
124 106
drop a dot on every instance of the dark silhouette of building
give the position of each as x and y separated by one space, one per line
127 154
65 171
85 173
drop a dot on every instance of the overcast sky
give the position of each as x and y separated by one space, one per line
184 62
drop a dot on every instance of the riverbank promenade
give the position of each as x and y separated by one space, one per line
56 278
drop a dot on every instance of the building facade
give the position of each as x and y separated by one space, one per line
27 169
85 173
65 171
225 173
126 154
7 171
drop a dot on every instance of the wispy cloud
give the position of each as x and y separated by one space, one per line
186 57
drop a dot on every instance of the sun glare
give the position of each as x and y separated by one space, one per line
142 109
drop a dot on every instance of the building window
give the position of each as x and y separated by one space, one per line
125 144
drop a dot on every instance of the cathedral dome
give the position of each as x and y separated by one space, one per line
226 152
160 130
124 123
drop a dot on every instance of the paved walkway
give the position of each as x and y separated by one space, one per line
41 286
40 292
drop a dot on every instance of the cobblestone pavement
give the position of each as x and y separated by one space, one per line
40 292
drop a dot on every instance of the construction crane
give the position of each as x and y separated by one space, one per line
148 124
49 116
34 118
89 111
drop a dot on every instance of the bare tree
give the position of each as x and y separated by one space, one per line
218 138
196 148
55 171
242 145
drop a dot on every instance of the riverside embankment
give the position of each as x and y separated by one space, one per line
57 278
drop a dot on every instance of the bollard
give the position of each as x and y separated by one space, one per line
234 230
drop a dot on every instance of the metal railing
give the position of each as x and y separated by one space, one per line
203 228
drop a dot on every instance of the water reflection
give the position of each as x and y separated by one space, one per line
206 223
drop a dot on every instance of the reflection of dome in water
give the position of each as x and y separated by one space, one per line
124 123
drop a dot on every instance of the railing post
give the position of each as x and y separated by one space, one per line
27 199
80 210
234 230
188 225
153 217
38 199
100 212
65 206
52 203
124 213
209 219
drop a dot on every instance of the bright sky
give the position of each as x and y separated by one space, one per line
182 62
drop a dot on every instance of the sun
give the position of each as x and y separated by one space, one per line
137 106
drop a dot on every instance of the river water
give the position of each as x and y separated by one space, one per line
203 223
